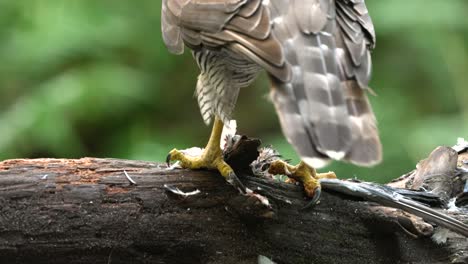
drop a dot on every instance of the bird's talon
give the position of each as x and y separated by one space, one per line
315 198
168 160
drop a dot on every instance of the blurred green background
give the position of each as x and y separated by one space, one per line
93 78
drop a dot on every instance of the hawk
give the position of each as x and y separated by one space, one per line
317 56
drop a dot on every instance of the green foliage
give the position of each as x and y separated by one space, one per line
93 78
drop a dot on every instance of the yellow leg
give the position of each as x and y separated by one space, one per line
302 173
211 158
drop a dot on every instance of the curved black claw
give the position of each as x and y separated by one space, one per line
168 160
234 181
315 199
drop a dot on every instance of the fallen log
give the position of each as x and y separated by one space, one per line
120 211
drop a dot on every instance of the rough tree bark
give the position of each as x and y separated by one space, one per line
88 211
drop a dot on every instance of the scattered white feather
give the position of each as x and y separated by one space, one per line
261 198
129 178
177 191
175 165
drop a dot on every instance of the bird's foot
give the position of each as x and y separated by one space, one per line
304 174
209 159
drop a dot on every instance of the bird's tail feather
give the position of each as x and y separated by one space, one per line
323 113
365 149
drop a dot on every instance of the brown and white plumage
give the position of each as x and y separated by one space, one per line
317 53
